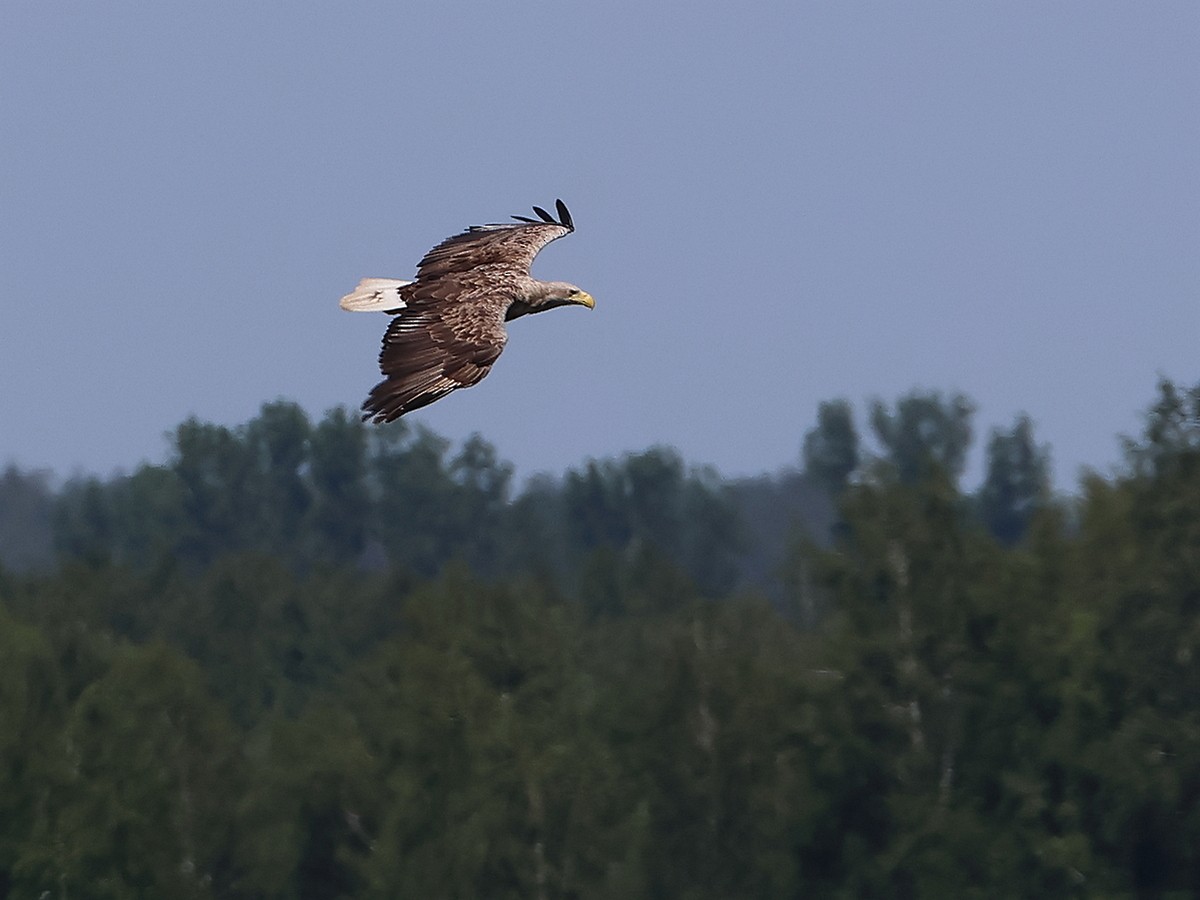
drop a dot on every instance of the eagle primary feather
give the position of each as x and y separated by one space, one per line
449 324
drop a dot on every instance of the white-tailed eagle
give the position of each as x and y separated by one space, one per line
449 322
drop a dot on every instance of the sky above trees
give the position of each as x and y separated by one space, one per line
776 207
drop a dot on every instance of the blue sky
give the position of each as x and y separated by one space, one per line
777 204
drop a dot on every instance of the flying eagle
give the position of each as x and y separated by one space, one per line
449 322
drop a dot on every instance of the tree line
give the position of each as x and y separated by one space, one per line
320 660
338 493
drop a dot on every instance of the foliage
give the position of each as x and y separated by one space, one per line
337 494
26 511
305 661
831 451
925 432
1017 483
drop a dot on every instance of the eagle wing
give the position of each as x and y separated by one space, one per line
430 350
504 249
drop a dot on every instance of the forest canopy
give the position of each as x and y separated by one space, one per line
309 658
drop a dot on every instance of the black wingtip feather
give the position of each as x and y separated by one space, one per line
564 214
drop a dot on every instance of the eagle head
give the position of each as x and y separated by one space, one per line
561 293
544 295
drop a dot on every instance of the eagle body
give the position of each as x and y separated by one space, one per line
449 325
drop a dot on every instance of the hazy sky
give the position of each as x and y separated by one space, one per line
776 203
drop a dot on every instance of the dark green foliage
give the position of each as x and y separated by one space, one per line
831 451
136 803
649 502
421 519
341 500
1017 483
32 710
337 494
321 661
775 513
925 432
26 513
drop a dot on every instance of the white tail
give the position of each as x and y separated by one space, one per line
375 295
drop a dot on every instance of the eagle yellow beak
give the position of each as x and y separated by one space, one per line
586 299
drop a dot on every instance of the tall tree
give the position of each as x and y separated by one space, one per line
595 507
1017 481
32 708
831 452
483 483
925 431
217 474
26 519
341 505
84 526
143 809
949 652
314 791
1134 586
277 442
478 716
432 508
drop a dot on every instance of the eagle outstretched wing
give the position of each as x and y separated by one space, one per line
508 248
428 353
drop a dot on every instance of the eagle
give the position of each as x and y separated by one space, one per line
449 324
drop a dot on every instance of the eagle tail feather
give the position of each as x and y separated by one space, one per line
375 295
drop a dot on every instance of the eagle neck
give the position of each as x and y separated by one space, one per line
533 292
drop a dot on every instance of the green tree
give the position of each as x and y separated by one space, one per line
136 520
483 483
492 781
1170 443
313 795
267 638
831 451
416 509
952 652
84 526
534 540
26 519
595 508
713 539
277 443
925 431
341 507
649 501
216 472
150 777
1131 716
1017 482
32 706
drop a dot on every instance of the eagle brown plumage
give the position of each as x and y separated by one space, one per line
449 324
